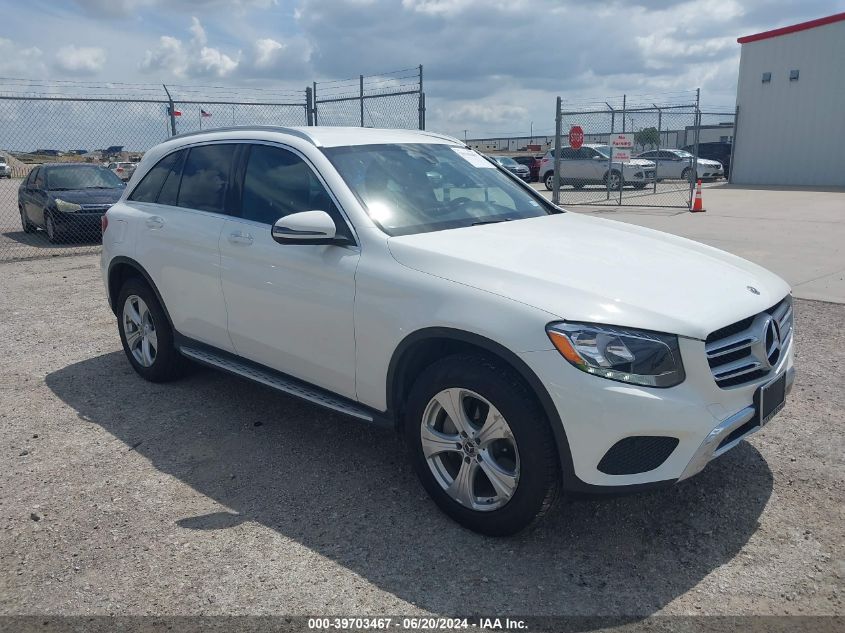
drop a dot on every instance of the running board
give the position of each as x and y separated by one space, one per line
278 381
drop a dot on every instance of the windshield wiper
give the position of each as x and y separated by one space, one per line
479 223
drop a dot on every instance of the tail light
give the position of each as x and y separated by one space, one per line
104 223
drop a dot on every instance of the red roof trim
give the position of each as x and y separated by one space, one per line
792 29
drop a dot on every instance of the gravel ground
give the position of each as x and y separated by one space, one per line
212 495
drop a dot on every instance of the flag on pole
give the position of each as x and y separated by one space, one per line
175 112
204 114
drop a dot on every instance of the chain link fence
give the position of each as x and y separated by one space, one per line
628 152
67 147
390 100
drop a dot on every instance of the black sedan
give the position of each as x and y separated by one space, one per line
67 200
512 166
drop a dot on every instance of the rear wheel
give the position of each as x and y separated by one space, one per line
549 181
481 445
613 180
146 334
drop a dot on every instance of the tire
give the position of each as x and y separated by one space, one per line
53 235
686 174
519 450
151 354
549 181
28 227
615 180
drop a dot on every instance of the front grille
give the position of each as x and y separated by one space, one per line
637 454
747 350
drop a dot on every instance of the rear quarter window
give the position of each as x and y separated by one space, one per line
149 188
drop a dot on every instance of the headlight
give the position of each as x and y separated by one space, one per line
633 356
66 207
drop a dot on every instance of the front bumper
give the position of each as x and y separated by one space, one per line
714 445
596 414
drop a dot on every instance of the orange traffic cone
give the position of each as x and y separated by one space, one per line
697 206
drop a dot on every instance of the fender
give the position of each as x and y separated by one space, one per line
121 260
525 372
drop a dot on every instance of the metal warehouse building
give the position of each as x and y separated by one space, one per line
791 106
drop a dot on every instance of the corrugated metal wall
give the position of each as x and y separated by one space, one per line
792 132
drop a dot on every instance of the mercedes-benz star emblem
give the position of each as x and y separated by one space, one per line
771 337
753 290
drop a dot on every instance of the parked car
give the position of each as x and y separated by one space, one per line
5 170
67 200
590 165
512 166
677 164
519 349
533 164
715 150
123 170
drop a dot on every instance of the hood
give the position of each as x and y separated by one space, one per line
89 196
707 161
588 269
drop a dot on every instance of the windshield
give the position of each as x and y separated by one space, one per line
417 188
604 150
82 177
506 162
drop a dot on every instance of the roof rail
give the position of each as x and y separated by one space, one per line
248 128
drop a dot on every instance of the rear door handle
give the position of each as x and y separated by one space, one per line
155 222
239 237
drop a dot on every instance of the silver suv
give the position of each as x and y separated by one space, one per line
590 165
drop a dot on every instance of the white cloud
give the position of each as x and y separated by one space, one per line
17 61
190 59
81 60
265 50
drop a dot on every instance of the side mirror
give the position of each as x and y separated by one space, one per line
306 227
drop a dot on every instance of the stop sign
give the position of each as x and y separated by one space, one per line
576 137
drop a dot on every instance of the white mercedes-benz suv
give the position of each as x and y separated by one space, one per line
403 279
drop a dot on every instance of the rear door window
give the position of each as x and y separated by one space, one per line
205 177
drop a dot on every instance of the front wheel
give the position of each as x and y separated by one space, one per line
53 235
687 174
481 445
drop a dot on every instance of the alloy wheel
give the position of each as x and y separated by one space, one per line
140 332
614 180
470 449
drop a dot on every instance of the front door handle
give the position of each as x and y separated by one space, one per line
155 222
239 237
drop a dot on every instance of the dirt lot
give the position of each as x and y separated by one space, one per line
212 495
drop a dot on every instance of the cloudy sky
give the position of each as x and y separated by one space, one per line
492 66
